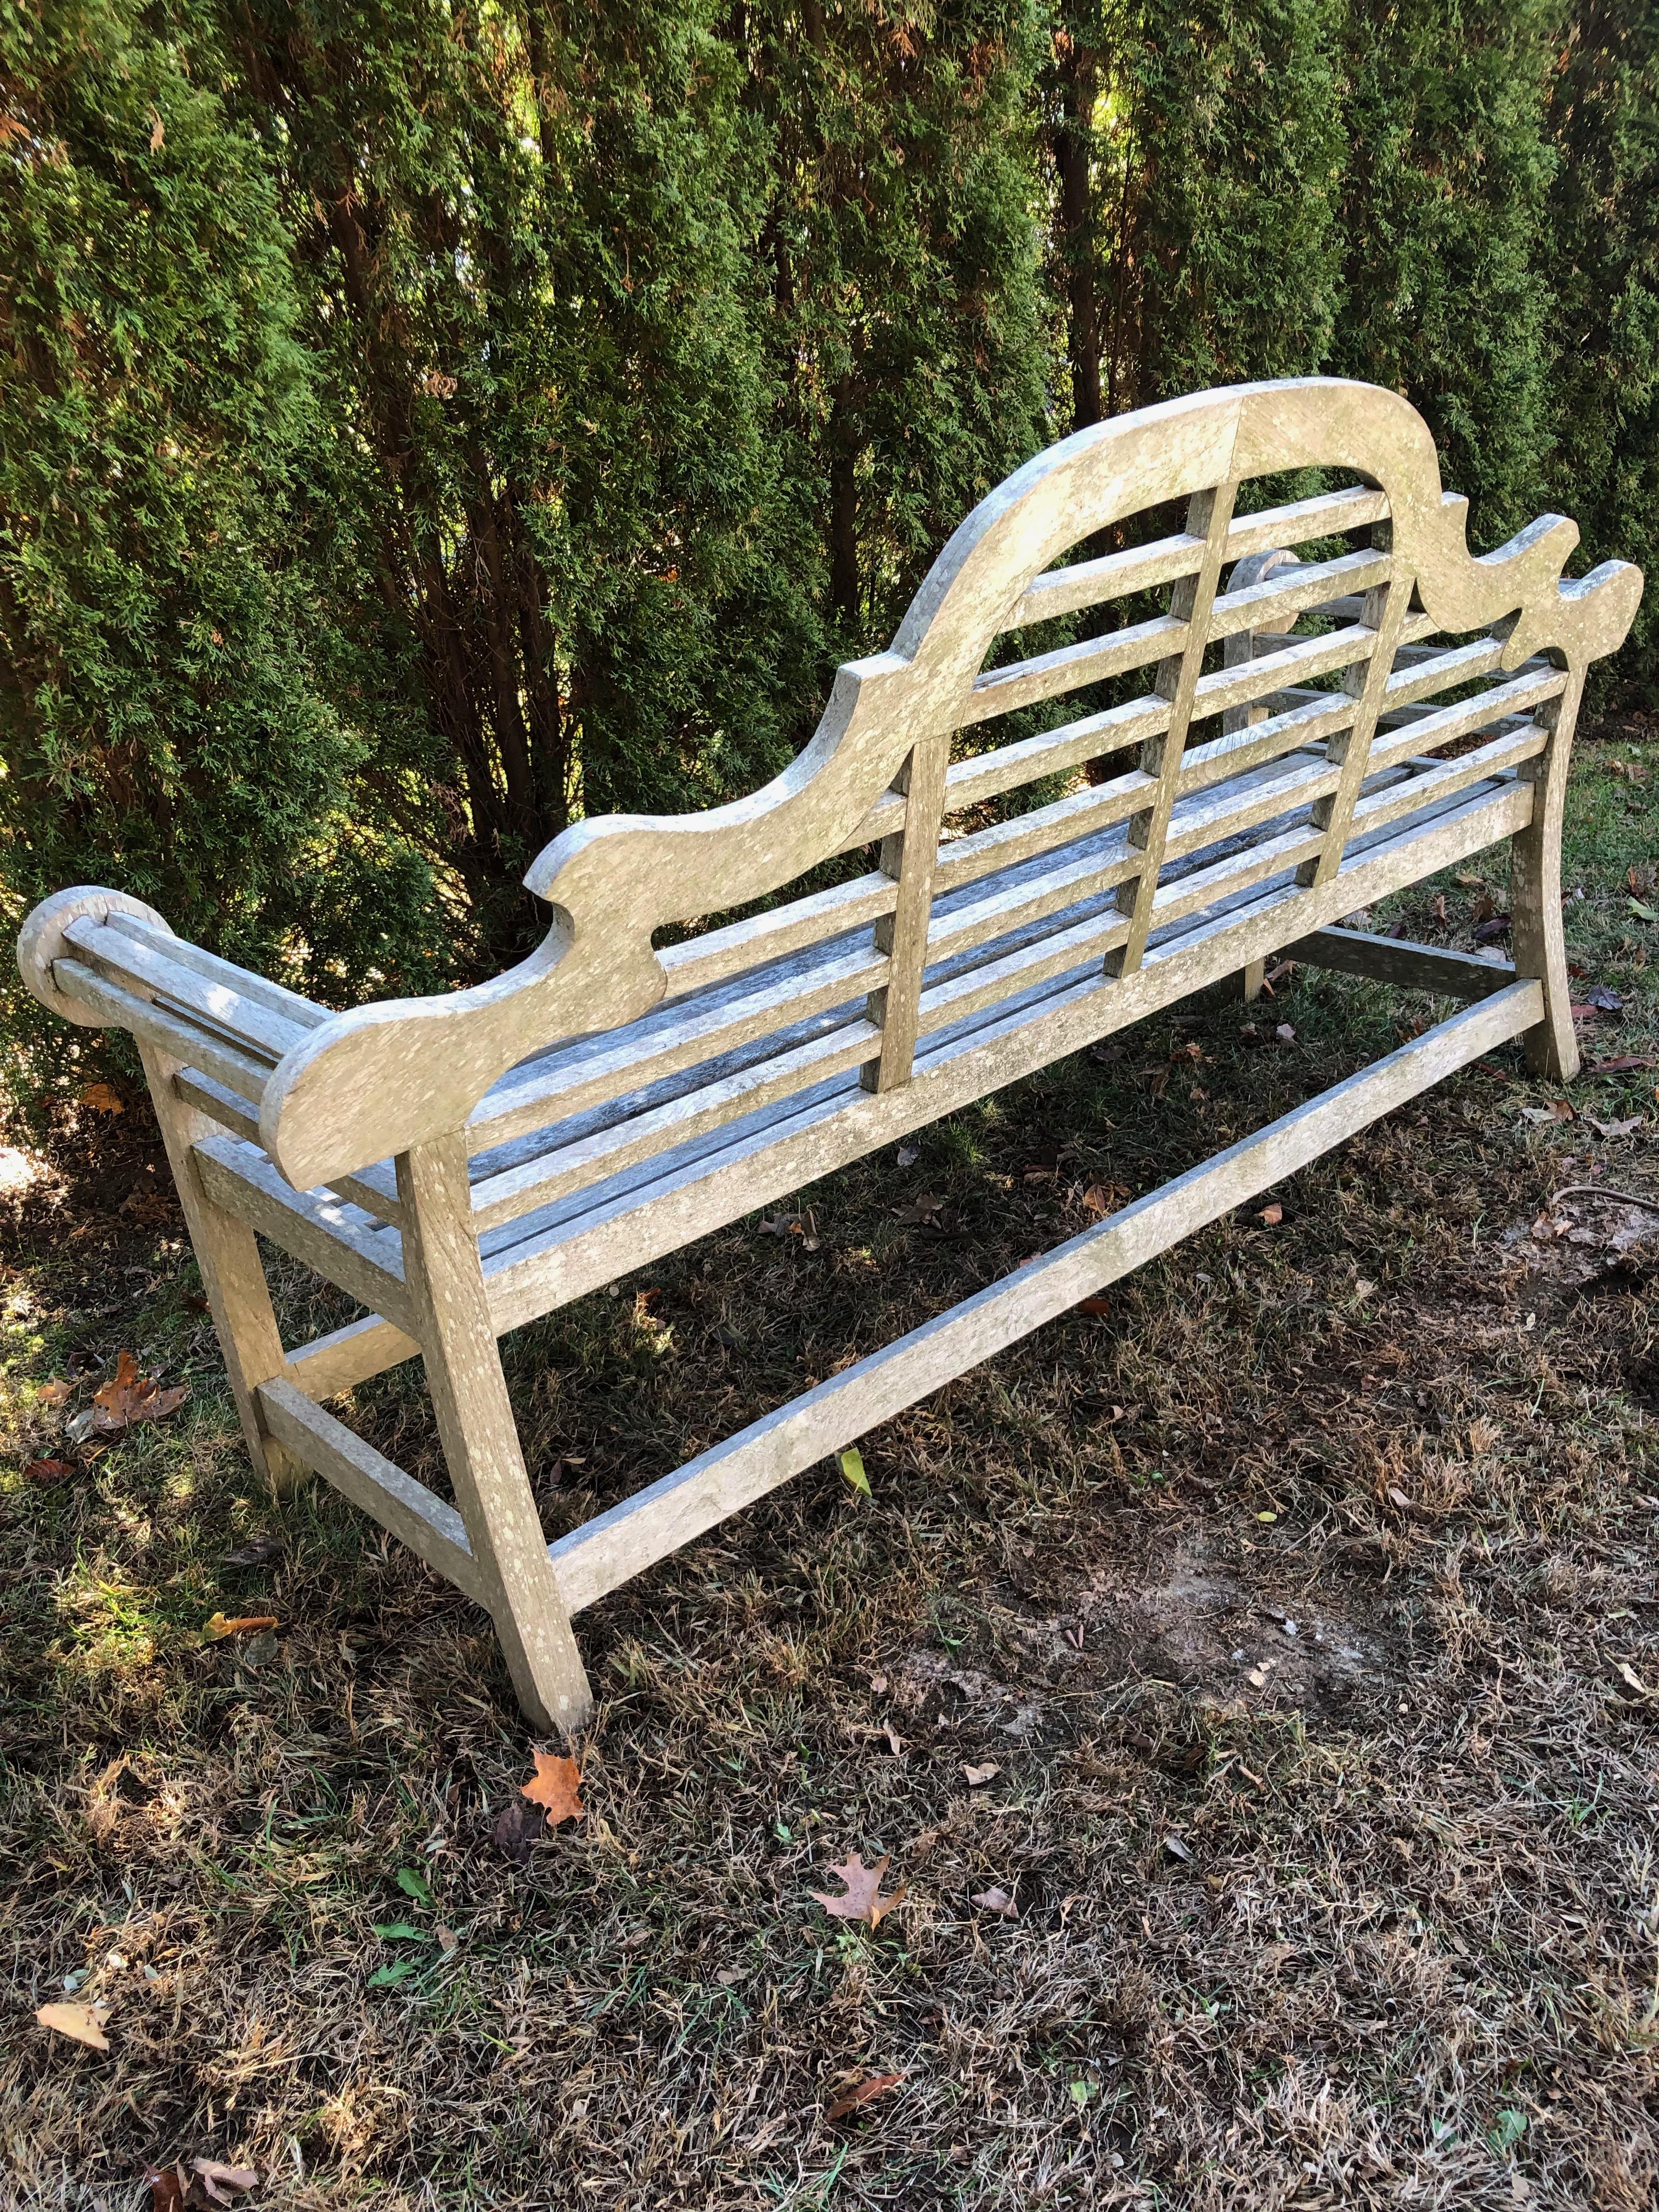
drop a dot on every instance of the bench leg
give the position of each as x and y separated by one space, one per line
481 1439
1251 980
232 1276
1540 944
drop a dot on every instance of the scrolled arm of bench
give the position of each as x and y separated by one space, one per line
41 941
378 1080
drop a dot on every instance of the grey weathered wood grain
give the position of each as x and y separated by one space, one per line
462 1164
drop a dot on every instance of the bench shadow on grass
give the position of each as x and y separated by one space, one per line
1300 1603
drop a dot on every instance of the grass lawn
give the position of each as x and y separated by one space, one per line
1299 1614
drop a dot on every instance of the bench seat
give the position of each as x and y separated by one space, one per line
1338 701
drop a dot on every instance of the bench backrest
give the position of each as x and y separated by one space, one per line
1232 726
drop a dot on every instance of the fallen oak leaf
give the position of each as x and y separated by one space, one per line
216 1627
977 1775
850 2099
55 1393
82 2023
554 1786
103 1098
1097 1309
862 1899
48 1470
1271 1216
131 1396
1614 1129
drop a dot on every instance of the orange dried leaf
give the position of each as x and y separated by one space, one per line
80 2021
103 1098
1271 1216
131 1396
850 2099
48 1470
55 1393
554 1785
244 1624
862 1899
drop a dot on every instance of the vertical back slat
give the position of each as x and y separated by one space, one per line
1385 609
1208 516
908 855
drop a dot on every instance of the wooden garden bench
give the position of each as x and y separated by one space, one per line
1303 733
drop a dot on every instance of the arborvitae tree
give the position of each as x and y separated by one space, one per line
161 724
1447 188
1195 157
1601 248
524 239
901 247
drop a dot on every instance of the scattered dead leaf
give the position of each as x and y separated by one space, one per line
257 1552
862 1899
1633 1680
1284 1034
925 1209
1177 1850
850 2099
103 1098
55 1393
554 1786
167 2189
1271 1216
83 2023
1625 1128
131 1396
223 2183
979 1775
217 1626
909 1155
996 1900
1096 1308
519 1828
48 1470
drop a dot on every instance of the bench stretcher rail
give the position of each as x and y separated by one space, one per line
1286 712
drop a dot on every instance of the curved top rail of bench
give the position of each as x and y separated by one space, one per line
375 1080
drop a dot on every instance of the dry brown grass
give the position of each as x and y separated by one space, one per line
1375 1924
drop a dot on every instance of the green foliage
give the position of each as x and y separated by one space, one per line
1442 209
162 725
1602 248
425 425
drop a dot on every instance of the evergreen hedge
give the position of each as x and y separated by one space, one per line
424 424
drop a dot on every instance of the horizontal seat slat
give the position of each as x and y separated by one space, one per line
632 1058
497 1198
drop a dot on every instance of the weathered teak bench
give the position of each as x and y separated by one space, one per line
462 1164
